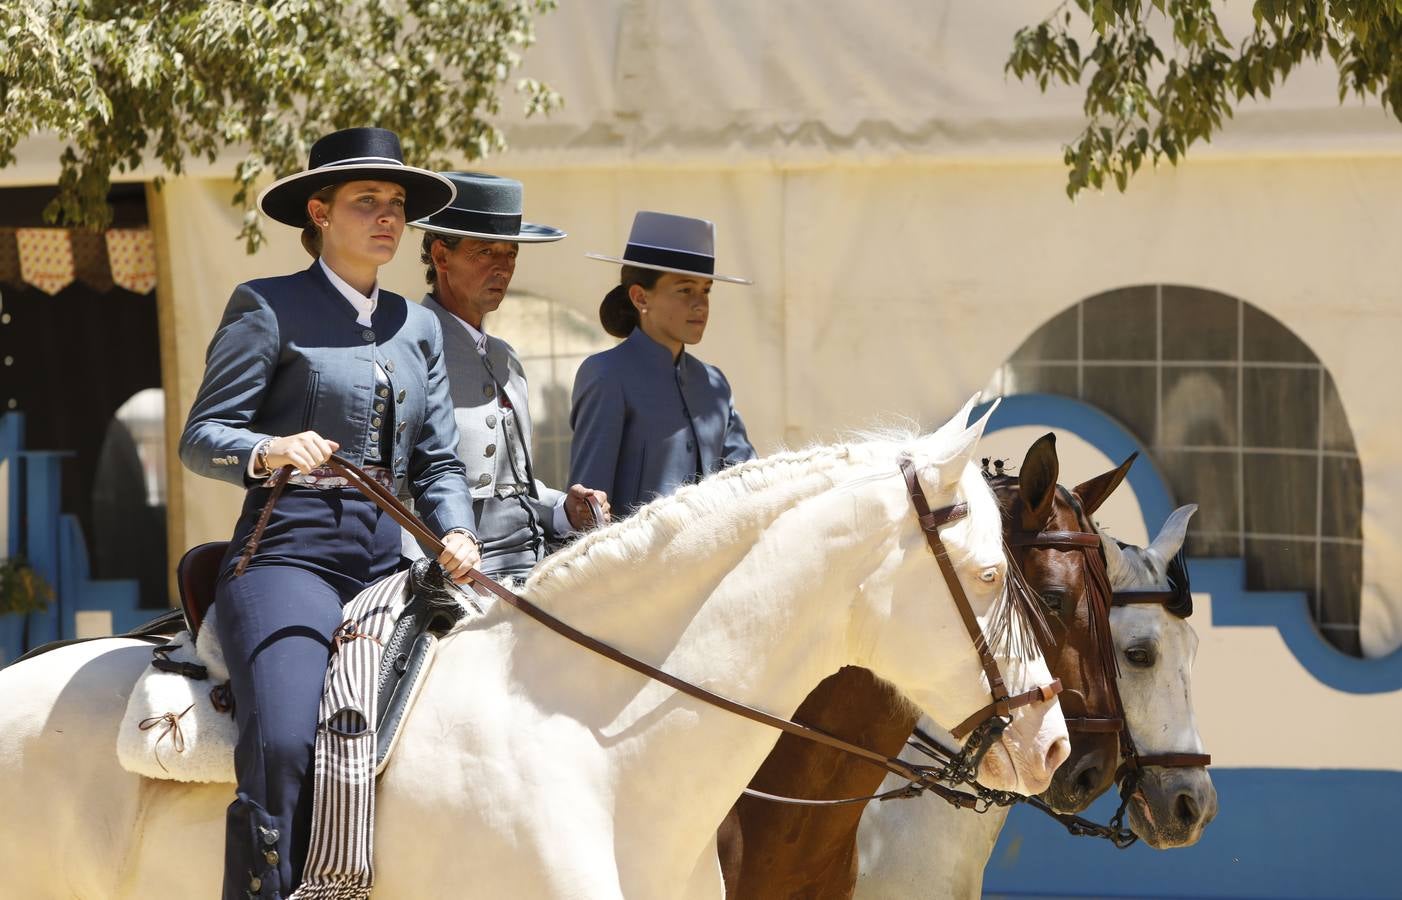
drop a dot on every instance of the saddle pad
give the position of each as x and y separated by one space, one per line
171 730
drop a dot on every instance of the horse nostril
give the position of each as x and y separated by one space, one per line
1087 779
1056 754
1186 808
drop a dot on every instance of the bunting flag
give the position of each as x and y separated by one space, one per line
90 260
45 258
9 260
132 254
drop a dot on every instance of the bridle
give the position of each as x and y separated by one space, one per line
1178 600
983 728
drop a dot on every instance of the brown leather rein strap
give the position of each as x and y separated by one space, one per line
1068 540
391 505
930 523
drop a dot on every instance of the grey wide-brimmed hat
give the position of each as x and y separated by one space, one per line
669 243
489 208
355 154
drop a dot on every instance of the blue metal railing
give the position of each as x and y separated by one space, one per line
52 542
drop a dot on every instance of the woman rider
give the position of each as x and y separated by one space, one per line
647 416
302 366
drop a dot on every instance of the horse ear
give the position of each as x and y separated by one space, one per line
1036 482
960 448
1173 533
1115 560
956 425
1093 493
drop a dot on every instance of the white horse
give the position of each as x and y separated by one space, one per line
534 768
927 849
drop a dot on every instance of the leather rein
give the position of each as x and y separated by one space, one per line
984 727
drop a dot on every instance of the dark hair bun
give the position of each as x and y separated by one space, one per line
617 313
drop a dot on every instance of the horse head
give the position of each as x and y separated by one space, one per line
1156 647
1036 512
951 686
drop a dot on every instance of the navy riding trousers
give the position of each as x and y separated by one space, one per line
320 549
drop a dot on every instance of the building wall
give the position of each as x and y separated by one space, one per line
894 291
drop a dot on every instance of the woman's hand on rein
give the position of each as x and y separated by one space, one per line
306 451
460 553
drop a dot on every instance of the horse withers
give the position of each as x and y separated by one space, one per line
533 767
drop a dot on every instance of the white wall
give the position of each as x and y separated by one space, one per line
895 291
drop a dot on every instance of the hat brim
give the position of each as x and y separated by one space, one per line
425 192
732 279
530 233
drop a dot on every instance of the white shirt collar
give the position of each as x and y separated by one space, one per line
364 305
479 338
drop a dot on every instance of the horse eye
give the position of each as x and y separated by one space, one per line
1140 656
989 575
1054 600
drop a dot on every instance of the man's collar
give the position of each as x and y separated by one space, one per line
479 337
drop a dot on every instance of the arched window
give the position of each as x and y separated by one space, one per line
128 538
551 341
1242 419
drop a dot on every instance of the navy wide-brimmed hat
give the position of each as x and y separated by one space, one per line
671 243
488 208
355 154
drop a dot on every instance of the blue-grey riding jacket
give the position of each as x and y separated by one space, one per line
289 356
645 424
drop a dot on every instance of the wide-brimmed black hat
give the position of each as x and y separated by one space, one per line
355 154
488 208
669 243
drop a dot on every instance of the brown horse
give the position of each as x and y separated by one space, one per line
770 850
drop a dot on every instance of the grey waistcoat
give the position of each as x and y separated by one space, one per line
483 443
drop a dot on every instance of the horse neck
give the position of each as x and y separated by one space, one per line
668 584
754 604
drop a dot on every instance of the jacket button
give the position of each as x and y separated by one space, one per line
255 884
399 463
491 421
489 389
379 407
402 395
272 857
368 335
484 479
389 365
376 423
402 426
490 451
382 391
